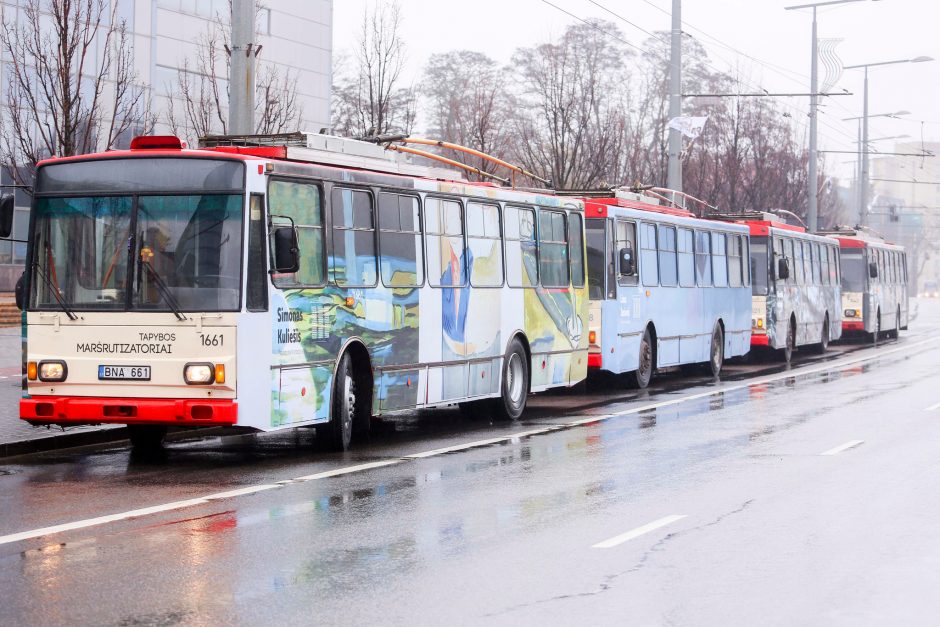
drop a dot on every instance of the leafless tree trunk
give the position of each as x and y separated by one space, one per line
202 106
61 101
370 100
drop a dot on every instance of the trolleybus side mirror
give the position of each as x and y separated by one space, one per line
6 215
627 263
286 250
783 268
19 292
873 270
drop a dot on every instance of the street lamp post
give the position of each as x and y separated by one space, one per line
863 207
812 203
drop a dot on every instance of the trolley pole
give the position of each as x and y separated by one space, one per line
674 172
242 68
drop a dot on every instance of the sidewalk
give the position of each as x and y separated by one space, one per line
20 438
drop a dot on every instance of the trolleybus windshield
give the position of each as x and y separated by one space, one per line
853 270
161 246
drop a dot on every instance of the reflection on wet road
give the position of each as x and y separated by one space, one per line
700 503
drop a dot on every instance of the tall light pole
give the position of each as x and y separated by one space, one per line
811 186
863 196
241 106
674 172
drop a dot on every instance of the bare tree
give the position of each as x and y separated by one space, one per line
567 125
467 103
203 90
72 87
370 100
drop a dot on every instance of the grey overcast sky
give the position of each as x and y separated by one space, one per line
778 41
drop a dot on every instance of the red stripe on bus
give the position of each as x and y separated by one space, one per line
92 410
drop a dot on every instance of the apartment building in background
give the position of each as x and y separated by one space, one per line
295 36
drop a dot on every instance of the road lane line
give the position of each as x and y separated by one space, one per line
639 531
843 447
91 522
933 407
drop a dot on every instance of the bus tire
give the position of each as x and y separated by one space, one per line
336 435
716 357
787 351
640 378
823 345
514 386
896 333
146 438
876 335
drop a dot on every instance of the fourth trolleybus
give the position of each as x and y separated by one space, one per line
299 281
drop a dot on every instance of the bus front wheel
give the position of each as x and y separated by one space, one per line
146 438
640 378
515 383
787 351
337 433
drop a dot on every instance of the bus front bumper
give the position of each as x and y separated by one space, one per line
758 339
76 410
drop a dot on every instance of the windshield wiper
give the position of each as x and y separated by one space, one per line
164 290
55 292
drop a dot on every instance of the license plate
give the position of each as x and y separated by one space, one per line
124 373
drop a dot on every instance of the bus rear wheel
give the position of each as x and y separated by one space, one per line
515 383
876 335
717 356
896 333
823 345
336 435
146 438
640 378
787 351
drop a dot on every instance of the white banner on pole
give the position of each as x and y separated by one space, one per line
690 126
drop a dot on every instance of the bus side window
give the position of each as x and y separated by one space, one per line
402 261
703 258
353 260
576 249
521 260
686 259
553 249
746 256
301 203
719 260
735 275
446 254
625 238
485 243
257 296
668 271
648 265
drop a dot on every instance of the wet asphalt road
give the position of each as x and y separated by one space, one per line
712 503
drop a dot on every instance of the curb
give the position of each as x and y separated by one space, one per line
92 438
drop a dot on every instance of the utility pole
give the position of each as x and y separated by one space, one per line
242 78
674 173
813 200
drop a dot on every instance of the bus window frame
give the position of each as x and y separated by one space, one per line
582 244
375 235
501 241
420 232
553 211
321 187
538 270
662 227
625 280
463 235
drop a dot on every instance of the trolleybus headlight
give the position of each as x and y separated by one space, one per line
53 371
849 313
199 374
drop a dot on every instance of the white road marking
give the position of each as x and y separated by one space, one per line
146 511
639 531
843 447
933 407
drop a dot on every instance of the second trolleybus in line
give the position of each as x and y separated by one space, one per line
314 282
666 289
874 284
